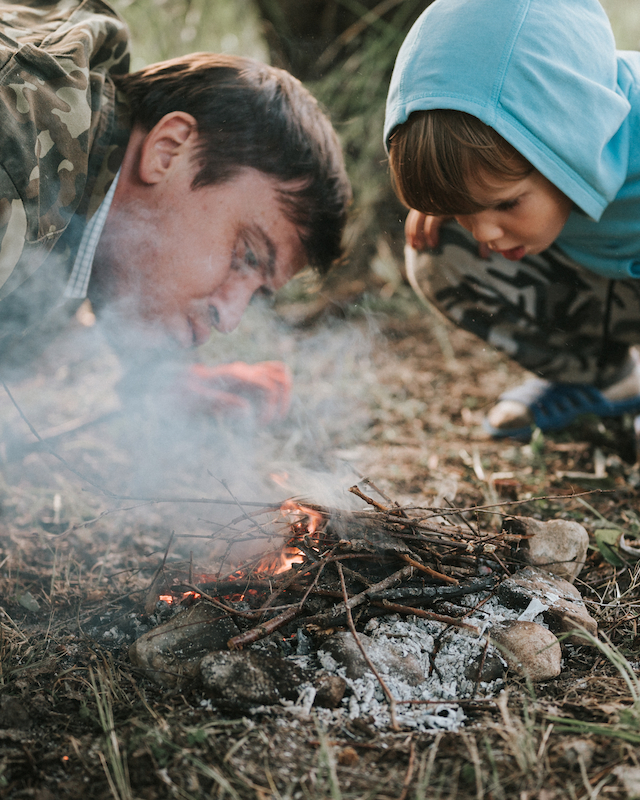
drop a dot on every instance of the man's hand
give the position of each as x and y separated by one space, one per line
240 389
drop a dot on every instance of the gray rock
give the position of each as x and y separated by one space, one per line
242 678
529 649
564 608
385 657
172 651
492 668
13 713
558 545
330 690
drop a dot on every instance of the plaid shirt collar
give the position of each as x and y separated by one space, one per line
78 282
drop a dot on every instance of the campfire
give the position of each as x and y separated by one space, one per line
370 609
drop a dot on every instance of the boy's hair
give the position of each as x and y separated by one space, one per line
253 115
435 155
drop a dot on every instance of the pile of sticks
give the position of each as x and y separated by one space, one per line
356 565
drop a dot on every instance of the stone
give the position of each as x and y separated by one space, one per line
558 545
558 600
172 651
239 679
386 658
529 648
492 668
330 690
576 750
13 713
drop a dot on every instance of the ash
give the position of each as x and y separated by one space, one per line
450 658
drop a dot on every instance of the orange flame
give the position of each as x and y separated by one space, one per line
304 520
287 559
281 478
172 599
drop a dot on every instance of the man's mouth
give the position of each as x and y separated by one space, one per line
200 333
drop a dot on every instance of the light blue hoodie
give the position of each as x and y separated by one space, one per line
546 76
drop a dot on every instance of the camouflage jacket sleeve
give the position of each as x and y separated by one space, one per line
63 130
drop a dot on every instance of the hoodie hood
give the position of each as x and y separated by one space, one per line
543 73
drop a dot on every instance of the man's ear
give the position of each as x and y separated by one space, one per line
167 142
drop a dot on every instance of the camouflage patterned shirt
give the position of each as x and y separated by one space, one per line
63 131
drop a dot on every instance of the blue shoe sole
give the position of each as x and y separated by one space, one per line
556 405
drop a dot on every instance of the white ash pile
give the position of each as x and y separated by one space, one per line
415 648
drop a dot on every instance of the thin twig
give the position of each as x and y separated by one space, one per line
395 608
327 617
428 571
369 500
264 629
50 450
406 783
151 597
384 496
354 633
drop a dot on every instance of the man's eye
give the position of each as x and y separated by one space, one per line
250 258
244 257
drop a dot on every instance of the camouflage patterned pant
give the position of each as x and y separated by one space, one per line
548 313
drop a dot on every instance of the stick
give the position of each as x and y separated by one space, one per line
420 612
260 631
409 776
50 450
152 591
329 616
369 500
431 572
354 633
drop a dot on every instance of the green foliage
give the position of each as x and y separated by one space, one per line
355 93
608 540
162 29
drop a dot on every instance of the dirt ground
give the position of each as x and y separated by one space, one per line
386 392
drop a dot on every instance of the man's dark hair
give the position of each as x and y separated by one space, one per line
253 115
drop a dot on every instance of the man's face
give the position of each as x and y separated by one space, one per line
521 217
188 260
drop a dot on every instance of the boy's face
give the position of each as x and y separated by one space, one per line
519 218
194 259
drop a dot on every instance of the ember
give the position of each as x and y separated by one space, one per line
183 598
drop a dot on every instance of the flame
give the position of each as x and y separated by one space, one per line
173 599
304 520
281 478
287 559
276 563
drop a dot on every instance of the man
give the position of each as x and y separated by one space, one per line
169 197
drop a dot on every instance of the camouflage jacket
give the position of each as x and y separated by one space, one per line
63 132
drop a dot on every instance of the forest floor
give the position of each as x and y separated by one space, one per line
388 393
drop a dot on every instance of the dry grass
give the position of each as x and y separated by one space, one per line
78 720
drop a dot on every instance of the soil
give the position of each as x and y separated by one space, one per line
386 392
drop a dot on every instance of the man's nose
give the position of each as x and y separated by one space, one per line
481 226
226 313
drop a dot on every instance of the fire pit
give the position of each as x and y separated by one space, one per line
400 616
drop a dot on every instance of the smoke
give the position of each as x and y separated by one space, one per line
148 442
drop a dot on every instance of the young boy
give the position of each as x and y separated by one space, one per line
513 131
